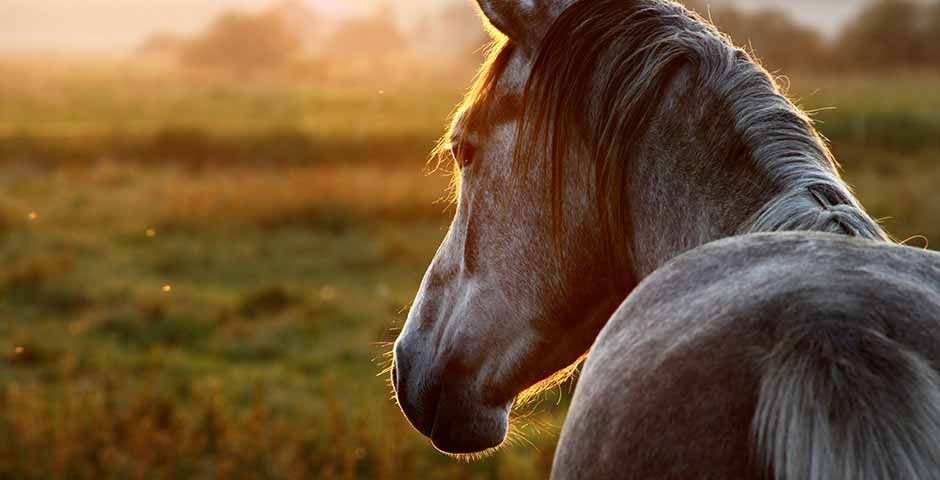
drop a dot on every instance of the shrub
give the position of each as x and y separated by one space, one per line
243 43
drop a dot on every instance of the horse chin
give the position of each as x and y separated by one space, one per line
468 431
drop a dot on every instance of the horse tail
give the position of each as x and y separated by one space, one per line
842 401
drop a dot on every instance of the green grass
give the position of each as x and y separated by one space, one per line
82 114
262 361
286 284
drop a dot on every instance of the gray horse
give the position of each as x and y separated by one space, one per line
618 146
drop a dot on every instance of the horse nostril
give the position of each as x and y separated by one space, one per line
417 393
398 360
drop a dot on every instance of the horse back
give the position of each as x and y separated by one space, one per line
672 386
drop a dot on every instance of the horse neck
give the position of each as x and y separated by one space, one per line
676 205
681 198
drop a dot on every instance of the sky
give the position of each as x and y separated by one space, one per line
105 26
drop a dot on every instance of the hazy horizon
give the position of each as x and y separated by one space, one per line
115 26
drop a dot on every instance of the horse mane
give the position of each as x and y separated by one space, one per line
601 76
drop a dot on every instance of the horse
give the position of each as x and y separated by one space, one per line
630 183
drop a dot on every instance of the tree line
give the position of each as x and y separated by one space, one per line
887 34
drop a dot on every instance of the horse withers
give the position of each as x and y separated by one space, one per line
606 140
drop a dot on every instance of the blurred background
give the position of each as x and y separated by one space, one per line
214 214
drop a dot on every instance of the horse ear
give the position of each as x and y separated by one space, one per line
523 21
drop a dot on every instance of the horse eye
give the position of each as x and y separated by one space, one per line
464 153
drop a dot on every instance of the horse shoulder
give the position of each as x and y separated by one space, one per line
682 358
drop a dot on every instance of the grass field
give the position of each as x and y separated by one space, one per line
202 276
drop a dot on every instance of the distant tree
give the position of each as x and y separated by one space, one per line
773 36
787 43
161 44
932 35
243 42
300 19
464 29
453 30
375 35
886 34
889 33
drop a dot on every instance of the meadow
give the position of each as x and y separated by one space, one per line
202 276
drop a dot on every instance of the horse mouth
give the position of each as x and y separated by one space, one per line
461 431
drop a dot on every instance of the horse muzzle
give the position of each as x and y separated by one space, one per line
440 403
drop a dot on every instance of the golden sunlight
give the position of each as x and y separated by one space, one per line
215 216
